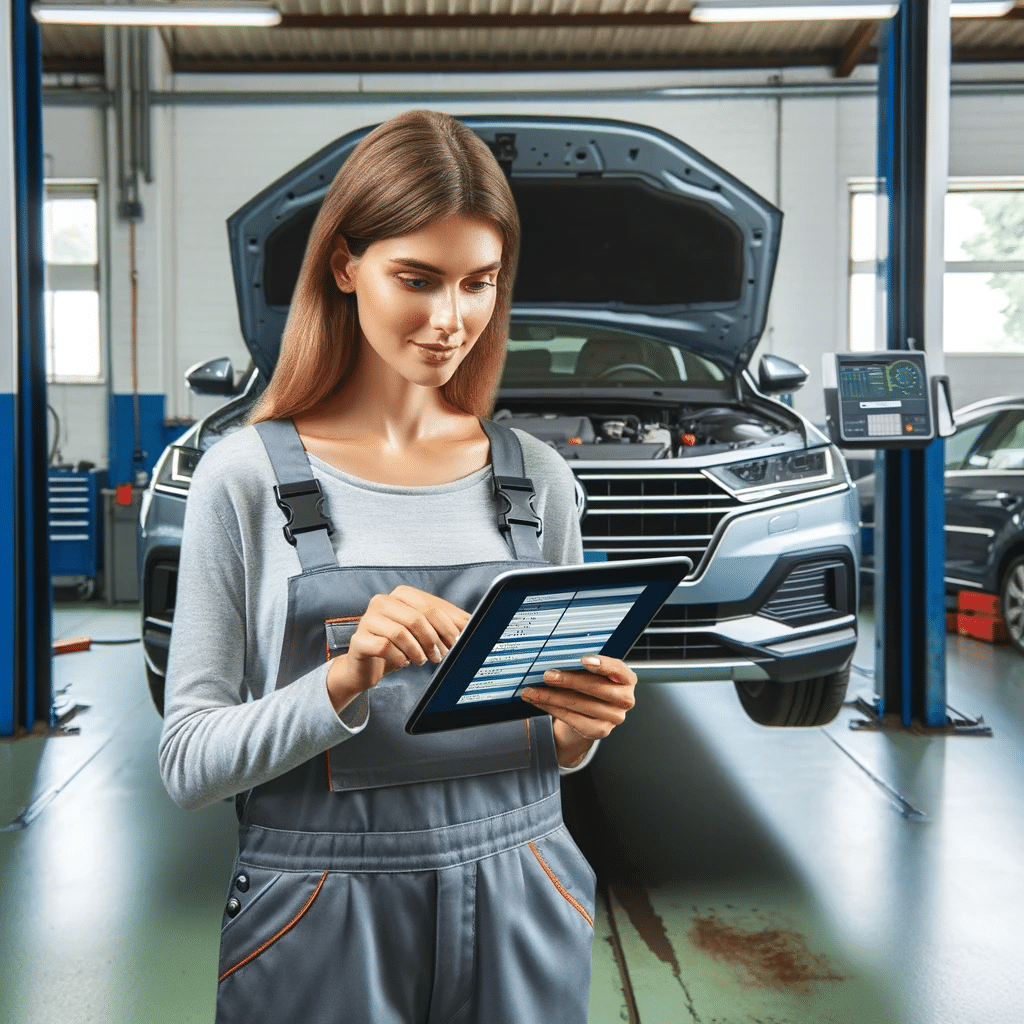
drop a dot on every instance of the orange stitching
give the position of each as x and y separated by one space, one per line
529 740
573 902
330 775
291 924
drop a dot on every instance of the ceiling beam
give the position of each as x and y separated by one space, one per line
393 21
86 64
856 48
93 63
367 65
988 54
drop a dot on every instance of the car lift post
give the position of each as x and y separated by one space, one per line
25 591
913 164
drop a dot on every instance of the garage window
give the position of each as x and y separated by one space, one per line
983 288
72 298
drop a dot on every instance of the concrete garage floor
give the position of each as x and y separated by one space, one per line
752 875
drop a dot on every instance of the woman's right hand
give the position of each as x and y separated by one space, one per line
404 627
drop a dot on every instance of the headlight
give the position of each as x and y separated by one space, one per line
175 471
768 477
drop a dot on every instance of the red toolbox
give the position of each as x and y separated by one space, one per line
978 616
978 603
990 628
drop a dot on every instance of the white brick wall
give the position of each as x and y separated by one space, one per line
209 160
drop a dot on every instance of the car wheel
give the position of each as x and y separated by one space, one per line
807 702
156 689
1012 596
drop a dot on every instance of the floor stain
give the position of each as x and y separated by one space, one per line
636 901
647 924
772 957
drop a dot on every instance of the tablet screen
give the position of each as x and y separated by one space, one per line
533 620
554 629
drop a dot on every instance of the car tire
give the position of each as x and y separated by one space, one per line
156 689
1011 596
804 703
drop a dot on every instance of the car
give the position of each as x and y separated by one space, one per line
984 487
641 294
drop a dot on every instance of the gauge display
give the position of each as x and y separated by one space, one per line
880 379
903 377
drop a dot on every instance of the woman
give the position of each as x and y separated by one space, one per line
331 554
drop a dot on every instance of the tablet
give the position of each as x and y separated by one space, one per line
532 620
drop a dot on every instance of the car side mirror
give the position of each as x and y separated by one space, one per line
215 377
778 376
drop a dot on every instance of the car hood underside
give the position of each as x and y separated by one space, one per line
622 225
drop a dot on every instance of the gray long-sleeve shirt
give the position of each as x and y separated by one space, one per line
226 729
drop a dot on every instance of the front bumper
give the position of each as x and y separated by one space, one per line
776 600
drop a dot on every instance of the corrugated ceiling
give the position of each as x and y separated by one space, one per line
397 35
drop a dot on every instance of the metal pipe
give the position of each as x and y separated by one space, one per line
106 214
145 105
133 92
60 96
107 209
127 182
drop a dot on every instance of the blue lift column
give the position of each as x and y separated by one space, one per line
913 163
25 591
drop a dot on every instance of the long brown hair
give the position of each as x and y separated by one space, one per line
409 172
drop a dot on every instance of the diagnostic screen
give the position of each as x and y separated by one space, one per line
883 397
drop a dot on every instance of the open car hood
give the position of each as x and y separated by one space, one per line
622 225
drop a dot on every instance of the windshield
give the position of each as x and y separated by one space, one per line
569 356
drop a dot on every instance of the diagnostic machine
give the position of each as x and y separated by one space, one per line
884 400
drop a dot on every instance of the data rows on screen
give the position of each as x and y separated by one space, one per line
553 630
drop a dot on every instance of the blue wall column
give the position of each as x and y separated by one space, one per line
913 161
131 451
25 590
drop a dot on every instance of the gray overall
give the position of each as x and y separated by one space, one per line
404 879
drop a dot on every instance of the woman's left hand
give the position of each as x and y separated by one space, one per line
586 705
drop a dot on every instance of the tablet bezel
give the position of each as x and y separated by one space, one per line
663 574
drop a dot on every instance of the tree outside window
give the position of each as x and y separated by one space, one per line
984 282
983 287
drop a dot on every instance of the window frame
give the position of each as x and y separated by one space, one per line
86 277
861 186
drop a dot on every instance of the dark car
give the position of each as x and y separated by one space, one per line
984 484
640 297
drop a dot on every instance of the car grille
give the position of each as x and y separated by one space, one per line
651 514
678 647
812 592
663 640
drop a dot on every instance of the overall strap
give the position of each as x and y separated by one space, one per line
519 523
298 495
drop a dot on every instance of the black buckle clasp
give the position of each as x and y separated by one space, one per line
303 504
518 495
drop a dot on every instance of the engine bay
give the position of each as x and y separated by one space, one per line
700 430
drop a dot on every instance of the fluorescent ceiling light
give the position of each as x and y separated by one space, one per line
980 8
146 12
752 10
830 10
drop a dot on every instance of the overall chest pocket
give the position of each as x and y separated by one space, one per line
338 634
384 754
